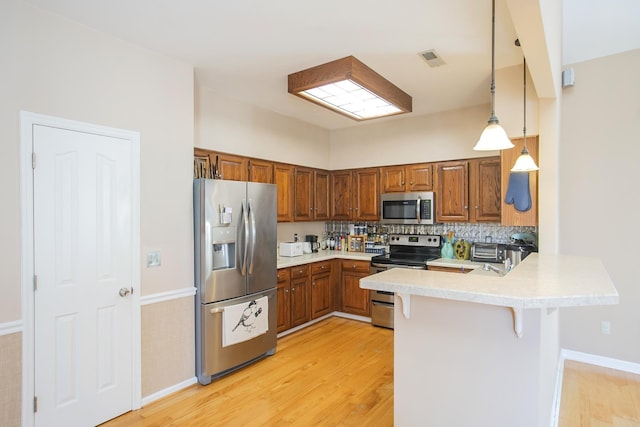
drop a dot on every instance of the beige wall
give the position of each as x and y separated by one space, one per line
55 67
599 198
10 379
168 350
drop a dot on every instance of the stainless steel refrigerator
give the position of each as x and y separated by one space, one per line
235 274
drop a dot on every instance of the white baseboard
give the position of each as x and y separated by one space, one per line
8 328
169 390
591 359
605 362
326 316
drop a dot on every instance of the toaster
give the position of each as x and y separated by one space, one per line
290 248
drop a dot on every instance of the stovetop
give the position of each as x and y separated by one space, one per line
410 250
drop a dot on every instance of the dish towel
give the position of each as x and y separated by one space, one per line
242 322
518 192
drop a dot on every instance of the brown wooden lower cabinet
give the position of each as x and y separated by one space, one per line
300 296
284 302
309 291
355 300
321 289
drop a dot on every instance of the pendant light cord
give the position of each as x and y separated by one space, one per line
493 118
524 127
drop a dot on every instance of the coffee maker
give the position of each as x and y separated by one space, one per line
313 239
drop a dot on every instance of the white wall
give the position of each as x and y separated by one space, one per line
599 198
234 127
55 67
443 136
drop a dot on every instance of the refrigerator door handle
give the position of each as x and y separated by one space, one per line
245 243
252 222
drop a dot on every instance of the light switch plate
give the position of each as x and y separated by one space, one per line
153 259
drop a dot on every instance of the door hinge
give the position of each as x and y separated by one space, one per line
35 403
33 160
35 282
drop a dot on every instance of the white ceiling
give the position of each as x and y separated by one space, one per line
245 49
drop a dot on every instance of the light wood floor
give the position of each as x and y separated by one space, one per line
338 372
598 397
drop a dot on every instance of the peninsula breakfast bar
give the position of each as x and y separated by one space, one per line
478 349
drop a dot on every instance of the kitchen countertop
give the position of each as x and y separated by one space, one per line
323 255
539 281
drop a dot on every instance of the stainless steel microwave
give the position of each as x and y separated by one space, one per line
407 208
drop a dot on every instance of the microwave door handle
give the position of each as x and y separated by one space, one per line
418 203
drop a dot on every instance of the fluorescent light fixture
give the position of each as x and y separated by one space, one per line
349 87
493 137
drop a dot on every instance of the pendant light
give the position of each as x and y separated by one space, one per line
525 162
493 137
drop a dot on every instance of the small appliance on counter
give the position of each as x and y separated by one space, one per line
313 241
291 249
488 252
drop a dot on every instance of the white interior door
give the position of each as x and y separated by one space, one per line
82 260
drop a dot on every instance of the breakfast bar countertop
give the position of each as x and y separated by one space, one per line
540 281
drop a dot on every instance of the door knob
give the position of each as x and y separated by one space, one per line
124 292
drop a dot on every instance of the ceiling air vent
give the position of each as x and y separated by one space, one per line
431 58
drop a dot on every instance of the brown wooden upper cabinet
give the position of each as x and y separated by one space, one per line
303 201
468 190
233 168
366 194
341 190
511 216
452 191
283 178
484 189
399 179
355 194
311 194
322 200
260 171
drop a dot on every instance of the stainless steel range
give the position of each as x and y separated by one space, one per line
405 251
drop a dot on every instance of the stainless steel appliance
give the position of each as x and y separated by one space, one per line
517 252
488 252
407 208
405 251
235 274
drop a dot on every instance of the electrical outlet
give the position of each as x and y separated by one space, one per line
153 259
605 327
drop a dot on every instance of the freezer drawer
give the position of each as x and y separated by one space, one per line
214 360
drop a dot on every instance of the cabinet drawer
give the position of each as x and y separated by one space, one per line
358 266
283 275
320 267
300 271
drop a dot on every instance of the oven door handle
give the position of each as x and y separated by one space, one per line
411 267
374 264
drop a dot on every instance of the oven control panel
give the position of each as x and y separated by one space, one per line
415 240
